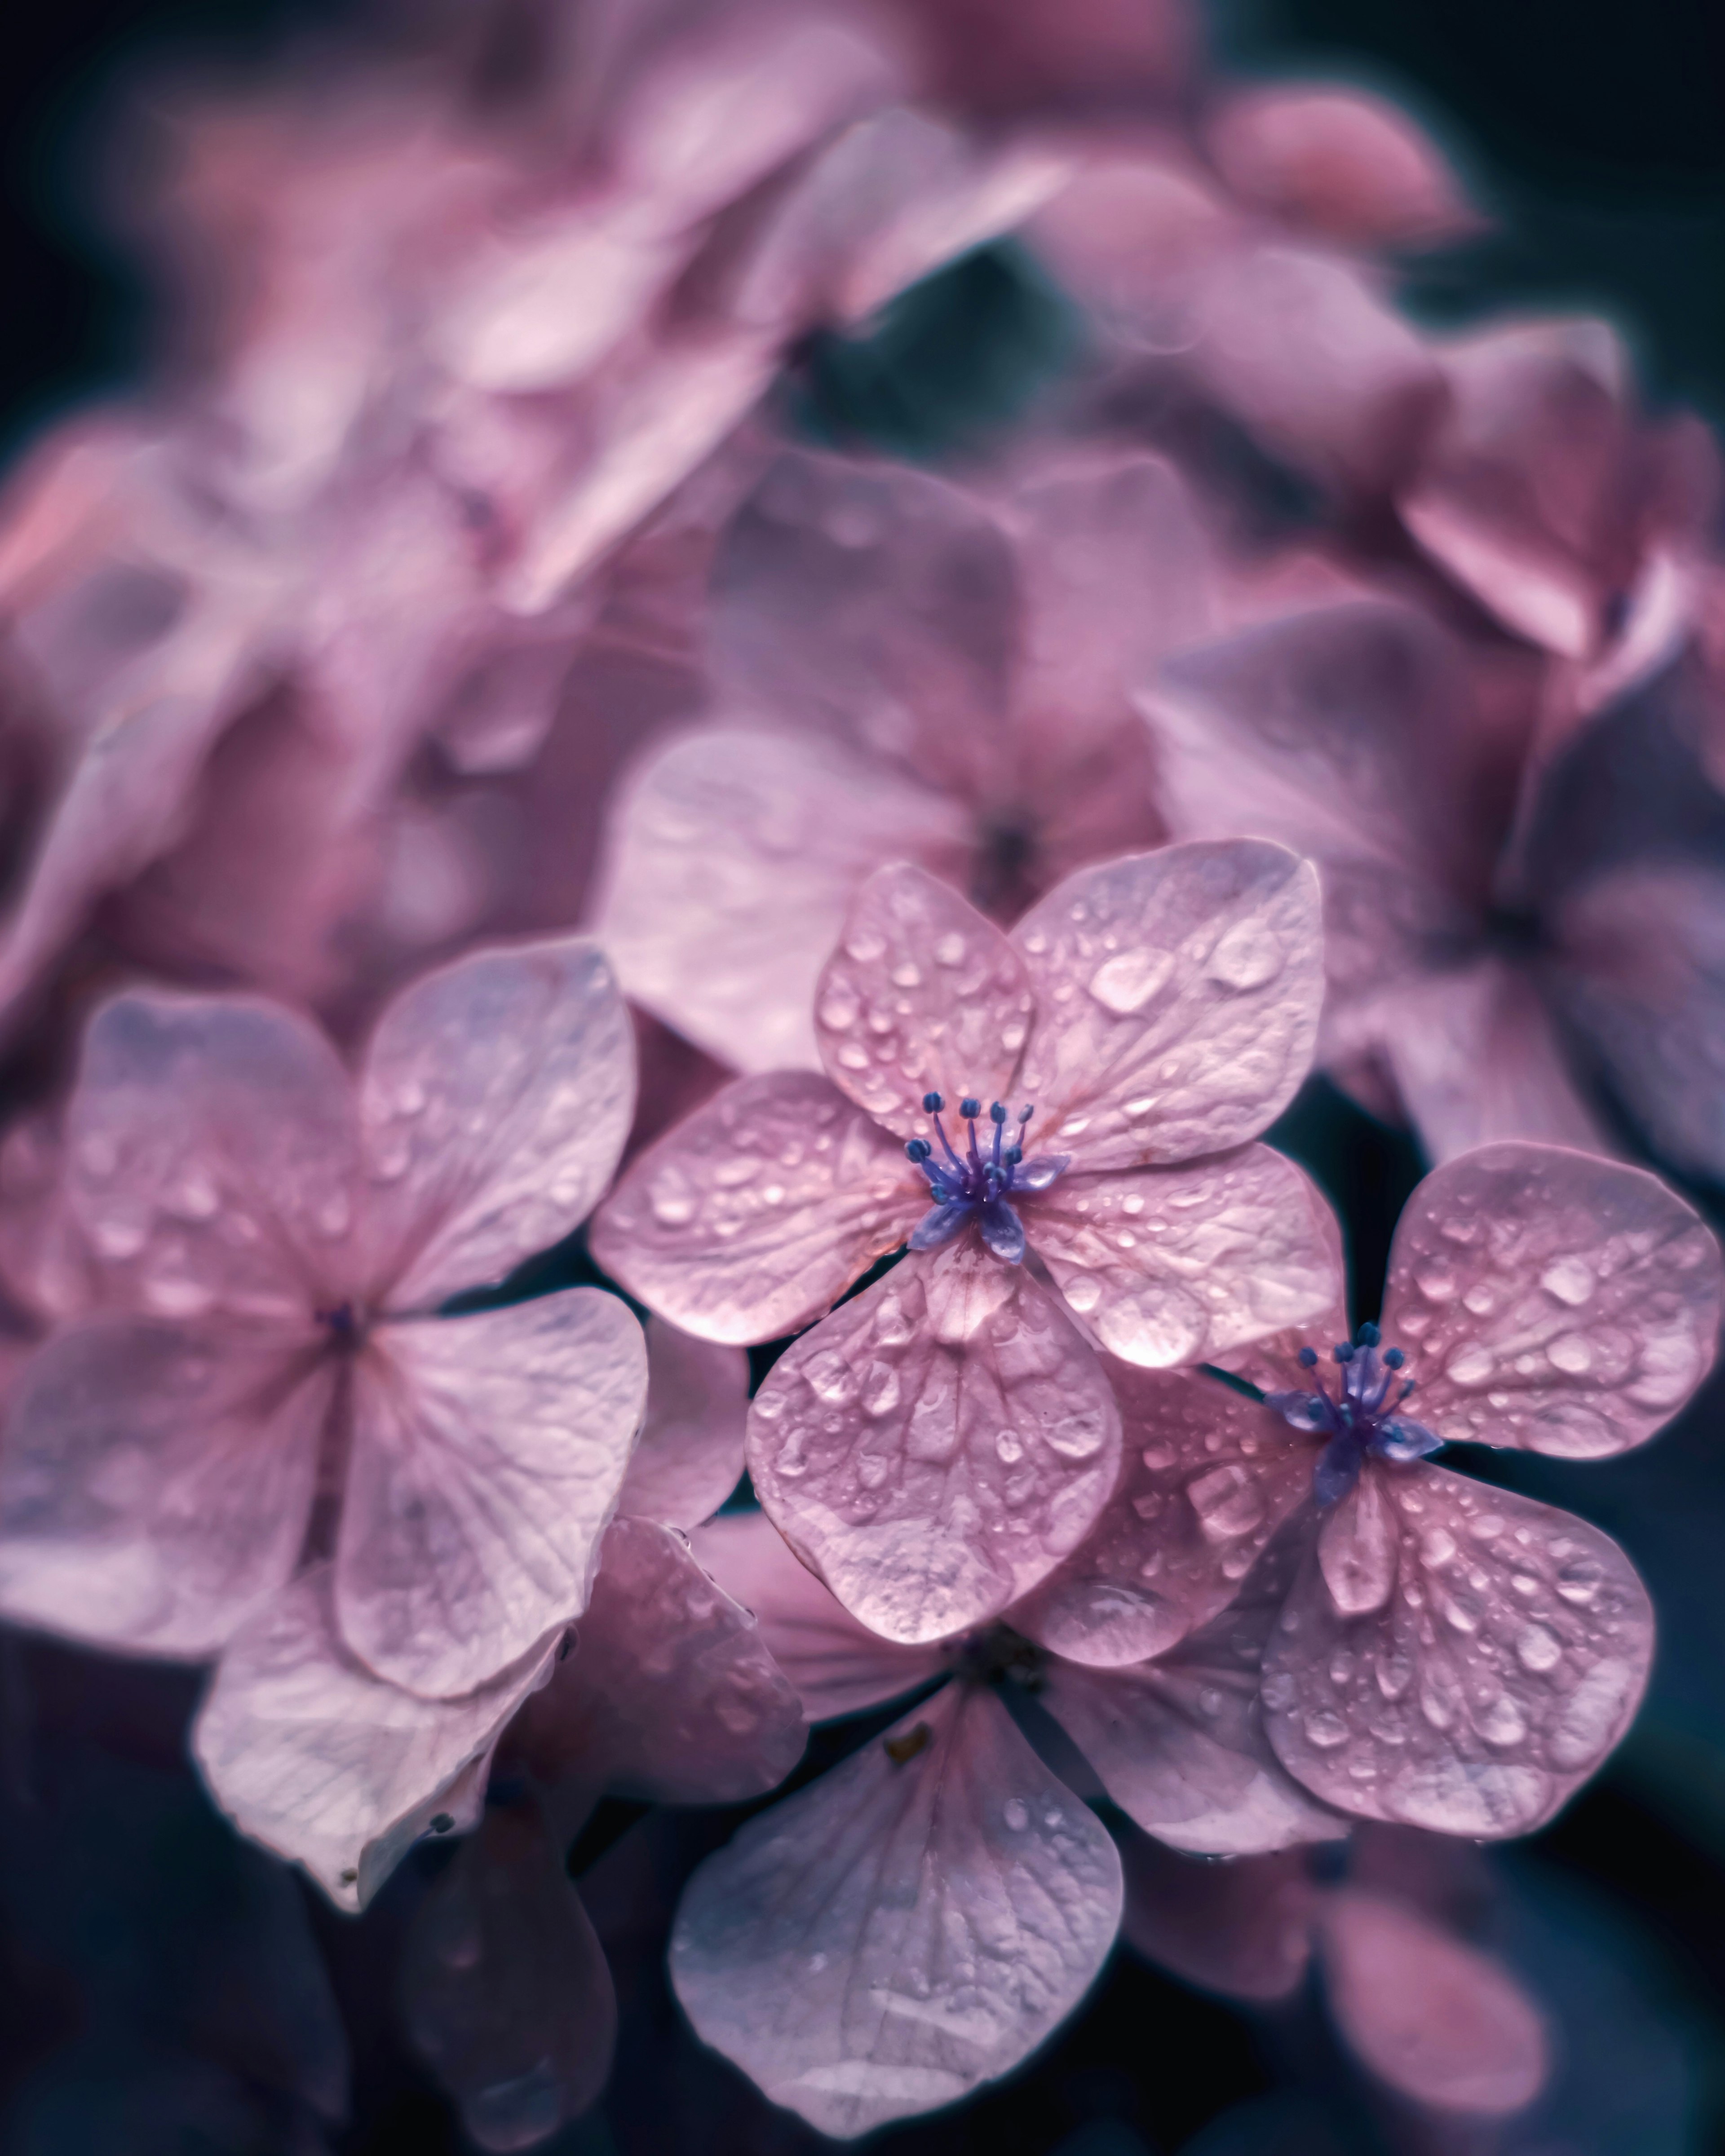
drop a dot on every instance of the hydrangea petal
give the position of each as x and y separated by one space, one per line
496 1097
1181 1265
936 1446
670 1694
923 995
157 1480
689 1458
1179 1743
1552 1300
756 1213
1208 1476
1178 996
1242 1929
915 1923
504 1988
835 1666
733 857
308 1752
1440 2020
488 1454
213 1155
1506 1663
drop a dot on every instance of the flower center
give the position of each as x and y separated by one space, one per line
1363 1415
995 1655
346 1326
978 1184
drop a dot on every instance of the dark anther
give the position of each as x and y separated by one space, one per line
1344 1352
1368 1336
1308 1359
997 1113
901 1750
970 1110
441 1823
918 1149
933 1103
1395 1357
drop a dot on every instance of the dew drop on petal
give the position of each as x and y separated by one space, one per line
1503 1724
1570 1280
1325 1731
1016 1813
1470 1365
1125 983
1536 1649
1248 955
1571 1353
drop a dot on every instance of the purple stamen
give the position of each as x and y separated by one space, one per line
1359 1418
970 1188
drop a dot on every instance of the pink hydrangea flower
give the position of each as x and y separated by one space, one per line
1442 2021
902 669
268 1377
936 1446
1450 1655
923 1916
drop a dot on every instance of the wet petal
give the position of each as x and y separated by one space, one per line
915 1923
1179 1743
505 1992
923 995
758 1211
1177 995
1506 1664
1002 1231
835 1665
488 1454
156 1480
496 1097
311 1754
1552 1300
936 1446
689 1458
213 1155
670 1694
1439 2021
733 857
1243 1928
941 1223
1180 1264
1356 1547
1209 1477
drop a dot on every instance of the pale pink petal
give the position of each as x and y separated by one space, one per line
1177 998
1551 1300
1507 1662
689 1458
733 856
1179 1743
1342 163
1209 1477
1004 58
1243 1928
156 1480
1184 1264
1438 2020
915 1923
936 1446
505 1989
923 995
670 1694
835 1665
1270 1362
496 1097
1475 1058
488 1454
757 1213
211 1156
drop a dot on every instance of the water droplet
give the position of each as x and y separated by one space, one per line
1435 1283
1016 1813
1436 1547
950 949
1009 1448
838 1010
1480 1300
1440 1694
907 976
1503 1724
1078 1435
864 946
1572 1353
1227 1500
672 1198
1470 1365
880 1391
1580 1579
1125 983
1394 1673
197 1198
118 1239
1570 1280
1248 955
1536 1649
892 1328
1084 1292
1325 1731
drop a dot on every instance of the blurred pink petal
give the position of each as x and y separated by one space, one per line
1182 1264
937 1445
1441 2021
212 1155
1340 163
1508 1661
505 1992
1177 995
311 1754
756 1213
1179 1742
496 1100
488 1454
835 1665
914 1924
157 1480
689 1457
1243 1928
921 995
1209 1478
1552 1300
670 1696
1003 56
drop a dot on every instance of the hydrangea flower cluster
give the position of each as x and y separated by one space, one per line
668 1307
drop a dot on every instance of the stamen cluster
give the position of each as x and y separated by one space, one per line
1360 1418
974 1186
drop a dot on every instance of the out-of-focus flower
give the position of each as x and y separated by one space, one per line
275 1244
936 1446
1450 1655
901 670
813 1949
